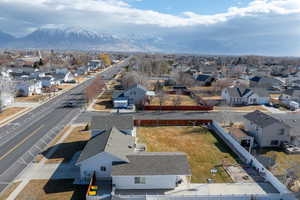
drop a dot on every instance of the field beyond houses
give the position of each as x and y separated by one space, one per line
204 150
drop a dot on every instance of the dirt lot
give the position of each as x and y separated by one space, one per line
283 161
34 98
104 103
80 79
73 143
204 150
185 100
66 86
52 190
241 108
10 111
9 190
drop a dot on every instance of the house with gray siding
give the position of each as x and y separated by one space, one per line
267 130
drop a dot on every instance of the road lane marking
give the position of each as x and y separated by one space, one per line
22 142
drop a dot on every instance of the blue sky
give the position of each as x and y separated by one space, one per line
178 6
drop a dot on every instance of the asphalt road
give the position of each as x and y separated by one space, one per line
25 137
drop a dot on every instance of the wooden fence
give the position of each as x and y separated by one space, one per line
181 108
172 122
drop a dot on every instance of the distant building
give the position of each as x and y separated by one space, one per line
265 82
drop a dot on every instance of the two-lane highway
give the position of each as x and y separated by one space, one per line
18 140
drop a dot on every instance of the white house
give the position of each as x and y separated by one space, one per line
136 94
239 95
95 64
69 77
100 124
6 98
48 81
28 88
267 130
147 171
102 151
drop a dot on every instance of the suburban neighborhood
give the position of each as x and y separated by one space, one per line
134 124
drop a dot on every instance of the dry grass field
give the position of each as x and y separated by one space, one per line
241 108
9 190
34 98
52 190
104 102
10 112
185 100
203 149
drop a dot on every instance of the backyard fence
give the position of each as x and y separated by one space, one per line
175 122
179 108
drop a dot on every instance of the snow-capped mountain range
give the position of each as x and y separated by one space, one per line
78 38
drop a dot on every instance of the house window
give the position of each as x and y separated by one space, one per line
103 169
139 180
281 131
274 142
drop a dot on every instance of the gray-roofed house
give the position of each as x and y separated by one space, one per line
151 171
204 79
265 82
291 95
239 95
267 130
102 151
124 123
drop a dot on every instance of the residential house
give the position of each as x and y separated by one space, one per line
28 87
61 70
119 100
148 171
136 94
69 78
6 98
95 64
265 82
204 79
100 124
290 95
239 95
267 130
294 131
102 152
48 81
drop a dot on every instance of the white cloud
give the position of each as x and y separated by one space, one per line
272 18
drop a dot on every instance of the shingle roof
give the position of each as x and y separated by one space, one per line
153 164
238 91
203 77
261 119
117 94
111 141
121 122
292 92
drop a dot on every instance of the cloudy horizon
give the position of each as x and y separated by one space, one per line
250 26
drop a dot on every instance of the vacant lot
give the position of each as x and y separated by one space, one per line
283 161
9 190
73 143
34 98
241 108
104 102
66 86
10 112
169 100
204 150
52 190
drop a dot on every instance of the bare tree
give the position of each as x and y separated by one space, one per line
161 97
177 100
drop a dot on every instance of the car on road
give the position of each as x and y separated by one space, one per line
69 105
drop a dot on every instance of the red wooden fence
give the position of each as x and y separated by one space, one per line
182 108
172 122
